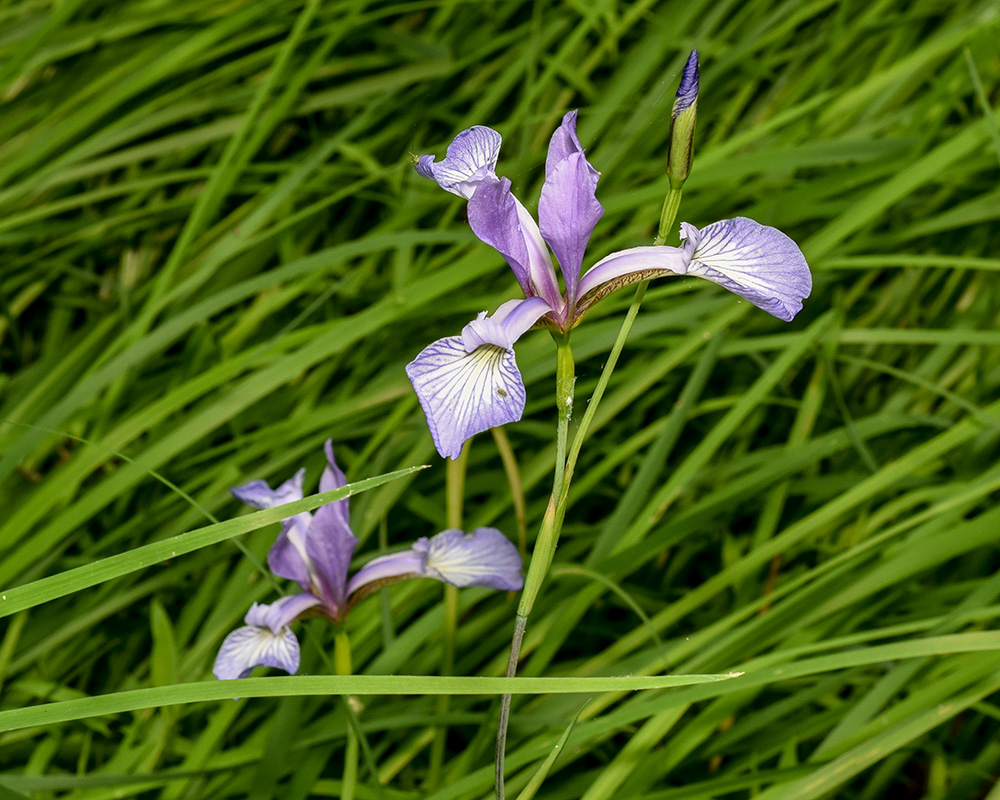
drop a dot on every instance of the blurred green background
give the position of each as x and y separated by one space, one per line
216 254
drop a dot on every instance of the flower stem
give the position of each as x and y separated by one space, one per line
342 666
545 543
667 215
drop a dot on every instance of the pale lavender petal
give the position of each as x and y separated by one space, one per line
472 157
407 563
757 262
465 393
484 557
687 92
506 325
256 645
647 261
568 209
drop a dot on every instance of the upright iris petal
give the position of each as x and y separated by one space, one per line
329 540
470 383
568 209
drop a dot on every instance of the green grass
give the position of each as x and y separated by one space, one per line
216 255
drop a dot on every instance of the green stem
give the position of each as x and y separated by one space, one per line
545 543
667 215
342 666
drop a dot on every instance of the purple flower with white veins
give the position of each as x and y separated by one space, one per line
315 551
467 384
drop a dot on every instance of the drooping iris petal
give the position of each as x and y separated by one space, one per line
255 644
472 157
484 557
465 393
568 209
757 262
641 262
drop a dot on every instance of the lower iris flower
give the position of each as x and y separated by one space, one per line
315 551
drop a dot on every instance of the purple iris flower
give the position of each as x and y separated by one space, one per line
470 383
315 550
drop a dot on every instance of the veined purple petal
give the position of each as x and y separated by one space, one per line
563 144
484 557
757 262
333 478
506 325
330 545
499 219
329 542
652 260
568 209
687 92
287 557
256 645
472 157
406 563
465 393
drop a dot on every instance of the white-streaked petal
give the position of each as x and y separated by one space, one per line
465 393
472 157
252 646
757 262
484 557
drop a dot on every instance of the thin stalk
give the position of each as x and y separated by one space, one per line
545 544
454 496
342 666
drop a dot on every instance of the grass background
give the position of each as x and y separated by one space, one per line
215 255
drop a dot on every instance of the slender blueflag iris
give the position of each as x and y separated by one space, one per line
469 383
315 551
